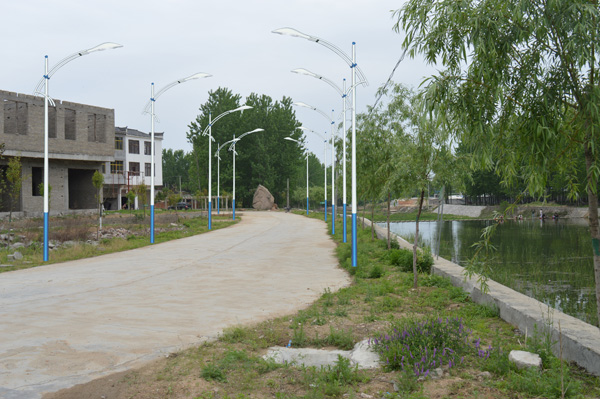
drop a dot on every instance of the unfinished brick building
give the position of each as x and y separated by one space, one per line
81 140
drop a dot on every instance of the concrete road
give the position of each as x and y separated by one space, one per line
69 323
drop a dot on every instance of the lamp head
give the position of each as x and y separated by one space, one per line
195 76
257 130
301 104
292 32
302 71
242 108
102 47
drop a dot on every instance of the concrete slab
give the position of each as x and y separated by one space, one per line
66 324
360 355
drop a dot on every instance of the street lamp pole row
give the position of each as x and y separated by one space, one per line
355 70
208 131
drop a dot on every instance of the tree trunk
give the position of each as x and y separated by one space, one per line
416 243
389 242
593 222
372 221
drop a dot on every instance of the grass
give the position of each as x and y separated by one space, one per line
71 228
379 302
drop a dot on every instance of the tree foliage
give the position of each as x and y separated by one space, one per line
519 84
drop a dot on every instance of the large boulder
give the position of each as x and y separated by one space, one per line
263 200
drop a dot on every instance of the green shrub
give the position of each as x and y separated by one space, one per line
403 258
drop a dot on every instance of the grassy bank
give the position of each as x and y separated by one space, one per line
415 331
79 229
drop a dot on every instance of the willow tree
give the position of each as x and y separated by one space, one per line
519 78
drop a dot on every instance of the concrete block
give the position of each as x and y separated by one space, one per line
523 359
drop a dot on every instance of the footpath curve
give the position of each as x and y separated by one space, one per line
69 323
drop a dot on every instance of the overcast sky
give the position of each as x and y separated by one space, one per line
170 39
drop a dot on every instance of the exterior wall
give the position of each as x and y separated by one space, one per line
81 138
94 130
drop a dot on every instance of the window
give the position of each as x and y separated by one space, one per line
116 167
118 143
103 168
70 124
147 148
148 169
134 147
134 168
37 178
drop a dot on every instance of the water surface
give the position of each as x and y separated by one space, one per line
550 260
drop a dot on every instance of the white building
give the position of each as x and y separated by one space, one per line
131 166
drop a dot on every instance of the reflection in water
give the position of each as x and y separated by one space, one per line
548 260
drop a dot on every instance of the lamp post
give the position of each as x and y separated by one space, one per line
344 94
219 165
324 162
363 80
150 107
37 91
232 148
299 142
301 104
208 131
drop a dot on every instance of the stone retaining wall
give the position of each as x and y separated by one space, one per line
580 341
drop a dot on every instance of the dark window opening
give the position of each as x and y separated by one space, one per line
118 143
70 124
147 148
37 179
148 169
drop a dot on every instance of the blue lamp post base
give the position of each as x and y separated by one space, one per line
209 215
354 252
151 224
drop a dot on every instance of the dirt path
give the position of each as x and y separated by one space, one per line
69 323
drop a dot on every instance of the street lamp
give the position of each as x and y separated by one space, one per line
208 131
344 94
219 169
301 104
150 107
299 142
232 149
363 80
324 162
47 99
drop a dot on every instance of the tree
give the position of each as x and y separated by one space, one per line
14 176
519 85
141 191
130 200
98 182
176 167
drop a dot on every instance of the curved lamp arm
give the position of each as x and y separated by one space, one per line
295 33
241 109
301 104
232 146
175 83
223 145
66 60
312 131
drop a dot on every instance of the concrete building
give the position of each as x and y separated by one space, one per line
81 140
130 166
